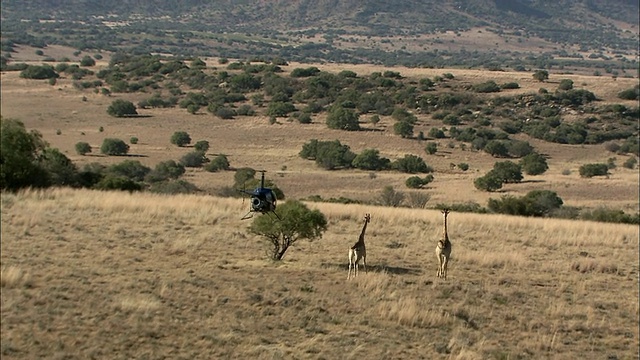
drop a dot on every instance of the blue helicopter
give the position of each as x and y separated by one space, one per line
263 200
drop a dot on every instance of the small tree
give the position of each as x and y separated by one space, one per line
114 147
534 164
342 119
165 170
121 108
508 171
193 159
541 75
202 145
296 222
369 159
219 162
565 84
403 128
390 197
489 182
180 138
591 170
83 148
416 182
431 148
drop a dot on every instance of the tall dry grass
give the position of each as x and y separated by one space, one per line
143 275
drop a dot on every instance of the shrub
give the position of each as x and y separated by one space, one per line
83 148
436 133
180 138
604 214
218 163
591 170
133 140
411 164
431 148
508 171
565 84
114 147
131 169
193 159
486 87
165 170
369 159
389 197
38 72
202 146
630 163
496 148
534 164
630 94
510 85
171 187
111 182
463 166
342 119
416 182
403 128
296 222
489 182
121 108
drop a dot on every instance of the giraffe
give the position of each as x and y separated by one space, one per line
443 250
358 251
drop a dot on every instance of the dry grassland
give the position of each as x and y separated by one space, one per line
111 275
64 119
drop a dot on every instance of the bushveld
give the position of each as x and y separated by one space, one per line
88 274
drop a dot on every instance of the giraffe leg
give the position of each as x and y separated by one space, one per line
445 263
364 263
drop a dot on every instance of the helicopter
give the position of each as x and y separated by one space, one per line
263 200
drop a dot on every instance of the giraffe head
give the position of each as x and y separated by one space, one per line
445 212
367 218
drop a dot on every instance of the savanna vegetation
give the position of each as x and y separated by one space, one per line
89 274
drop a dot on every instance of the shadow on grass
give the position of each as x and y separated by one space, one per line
395 270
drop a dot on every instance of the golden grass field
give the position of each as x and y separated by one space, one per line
103 275
89 274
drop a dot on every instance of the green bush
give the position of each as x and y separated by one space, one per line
604 214
133 140
370 159
38 72
416 182
463 166
403 128
431 148
341 118
83 148
202 146
180 138
565 84
114 147
218 163
508 171
165 170
489 182
411 164
630 163
121 108
172 187
534 164
193 159
591 170
486 87
111 182
130 169
630 94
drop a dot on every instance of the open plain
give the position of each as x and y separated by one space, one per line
113 275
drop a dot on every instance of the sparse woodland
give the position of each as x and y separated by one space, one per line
120 175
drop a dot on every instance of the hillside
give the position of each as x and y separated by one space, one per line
415 33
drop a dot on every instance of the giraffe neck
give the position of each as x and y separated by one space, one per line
445 234
364 228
